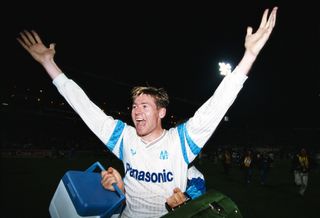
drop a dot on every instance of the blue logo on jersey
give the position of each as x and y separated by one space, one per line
154 177
133 152
164 155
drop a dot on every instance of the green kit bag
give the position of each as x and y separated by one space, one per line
212 204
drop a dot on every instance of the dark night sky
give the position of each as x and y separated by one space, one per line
109 48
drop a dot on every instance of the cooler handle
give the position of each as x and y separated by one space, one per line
116 188
94 166
98 164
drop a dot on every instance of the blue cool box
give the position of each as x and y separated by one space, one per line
80 194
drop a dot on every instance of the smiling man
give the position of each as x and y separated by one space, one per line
155 159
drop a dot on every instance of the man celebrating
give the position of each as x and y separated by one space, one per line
155 159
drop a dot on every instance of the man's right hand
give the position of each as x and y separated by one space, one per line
111 176
31 41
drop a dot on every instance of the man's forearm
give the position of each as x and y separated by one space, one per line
52 69
246 62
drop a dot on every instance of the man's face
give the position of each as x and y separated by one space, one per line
145 115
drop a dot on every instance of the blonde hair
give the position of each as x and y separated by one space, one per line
159 94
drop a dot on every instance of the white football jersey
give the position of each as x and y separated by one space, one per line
154 169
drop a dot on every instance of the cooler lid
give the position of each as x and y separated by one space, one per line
89 196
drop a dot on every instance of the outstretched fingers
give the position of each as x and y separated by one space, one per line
255 41
36 36
24 41
30 37
271 21
264 18
273 17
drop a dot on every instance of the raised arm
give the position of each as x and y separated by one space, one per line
31 41
99 123
254 42
199 128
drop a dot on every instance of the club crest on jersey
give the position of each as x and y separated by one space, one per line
164 155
